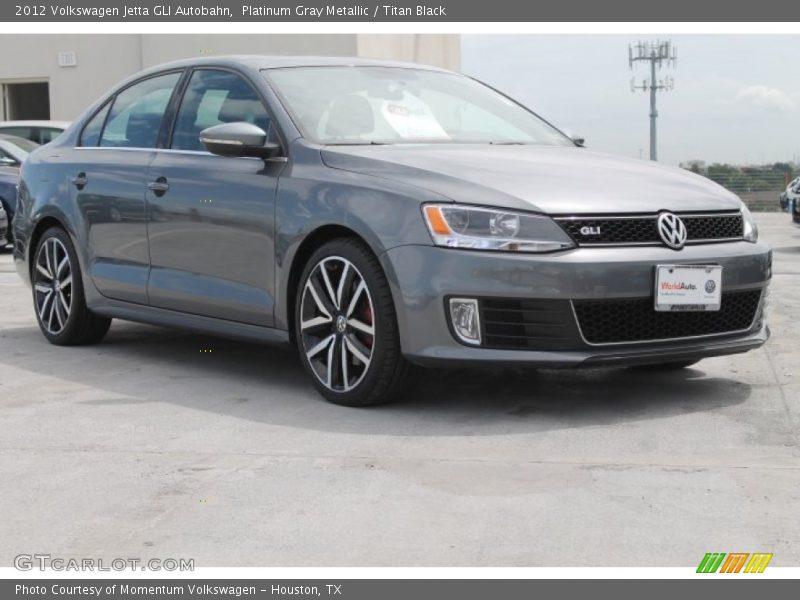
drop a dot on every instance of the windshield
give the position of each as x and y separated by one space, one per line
390 105
24 147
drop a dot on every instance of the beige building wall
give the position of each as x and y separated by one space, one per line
103 60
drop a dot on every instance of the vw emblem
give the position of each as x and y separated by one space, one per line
711 285
341 324
672 230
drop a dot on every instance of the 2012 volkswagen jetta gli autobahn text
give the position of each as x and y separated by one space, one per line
374 215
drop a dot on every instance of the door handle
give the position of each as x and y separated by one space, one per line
80 180
159 187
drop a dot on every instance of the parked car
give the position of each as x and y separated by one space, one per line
789 199
373 215
3 226
41 132
793 201
9 179
14 150
791 189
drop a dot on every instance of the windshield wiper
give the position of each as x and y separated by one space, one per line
507 143
369 143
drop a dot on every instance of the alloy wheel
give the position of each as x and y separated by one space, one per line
53 285
337 324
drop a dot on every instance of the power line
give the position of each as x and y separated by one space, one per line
657 54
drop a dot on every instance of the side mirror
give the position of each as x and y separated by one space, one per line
238 139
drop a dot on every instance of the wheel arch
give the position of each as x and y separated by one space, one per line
307 247
41 226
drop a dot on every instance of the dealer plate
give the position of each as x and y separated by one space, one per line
688 287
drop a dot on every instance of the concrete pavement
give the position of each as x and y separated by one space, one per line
148 445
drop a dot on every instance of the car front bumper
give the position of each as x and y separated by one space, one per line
423 277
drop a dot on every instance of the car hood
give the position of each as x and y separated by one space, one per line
549 179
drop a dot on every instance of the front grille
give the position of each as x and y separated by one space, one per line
636 320
714 227
523 324
643 230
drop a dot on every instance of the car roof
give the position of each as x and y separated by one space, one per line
53 124
258 62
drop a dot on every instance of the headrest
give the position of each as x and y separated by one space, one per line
142 129
350 116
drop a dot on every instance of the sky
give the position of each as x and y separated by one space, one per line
736 97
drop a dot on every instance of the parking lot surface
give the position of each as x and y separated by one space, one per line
159 443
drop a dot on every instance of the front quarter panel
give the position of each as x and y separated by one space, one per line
311 195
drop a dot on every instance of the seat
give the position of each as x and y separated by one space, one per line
350 117
142 130
246 109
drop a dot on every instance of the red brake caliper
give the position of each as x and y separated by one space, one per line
368 319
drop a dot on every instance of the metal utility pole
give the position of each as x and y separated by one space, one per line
657 53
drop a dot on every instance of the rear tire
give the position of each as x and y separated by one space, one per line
346 327
58 298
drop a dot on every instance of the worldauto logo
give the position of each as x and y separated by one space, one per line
677 285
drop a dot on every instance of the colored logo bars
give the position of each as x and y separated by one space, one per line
735 562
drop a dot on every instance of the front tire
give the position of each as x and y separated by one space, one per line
58 297
346 327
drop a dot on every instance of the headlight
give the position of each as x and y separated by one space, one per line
493 229
750 227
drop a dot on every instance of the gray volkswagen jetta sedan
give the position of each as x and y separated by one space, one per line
374 215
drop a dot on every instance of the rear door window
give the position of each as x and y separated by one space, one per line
48 134
137 112
90 136
27 133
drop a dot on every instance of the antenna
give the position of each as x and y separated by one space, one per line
658 54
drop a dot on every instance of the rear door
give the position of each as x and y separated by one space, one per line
212 218
108 182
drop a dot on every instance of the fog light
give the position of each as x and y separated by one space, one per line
465 319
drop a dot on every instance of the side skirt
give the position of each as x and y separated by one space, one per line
196 323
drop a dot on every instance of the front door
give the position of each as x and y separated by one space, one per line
211 218
107 176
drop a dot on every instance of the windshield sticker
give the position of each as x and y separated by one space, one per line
411 118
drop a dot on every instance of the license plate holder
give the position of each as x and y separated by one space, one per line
688 288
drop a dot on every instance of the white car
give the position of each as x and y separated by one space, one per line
793 187
40 132
792 199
